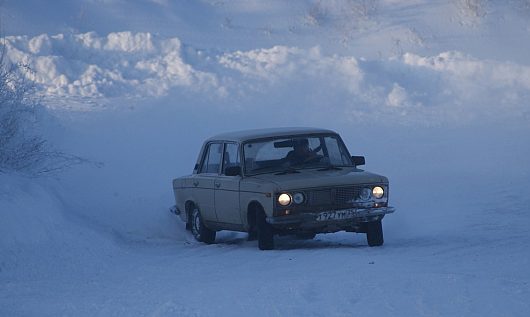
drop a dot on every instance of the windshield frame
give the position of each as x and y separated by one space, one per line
293 136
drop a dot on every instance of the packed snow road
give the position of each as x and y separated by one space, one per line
468 260
434 94
332 276
458 243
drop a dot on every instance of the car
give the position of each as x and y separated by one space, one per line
282 181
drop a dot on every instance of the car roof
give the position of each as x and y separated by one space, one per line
244 135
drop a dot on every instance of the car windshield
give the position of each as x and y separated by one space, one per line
289 154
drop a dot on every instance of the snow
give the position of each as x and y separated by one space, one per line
435 94
141 65
87 65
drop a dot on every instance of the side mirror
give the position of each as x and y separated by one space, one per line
233 170
358 160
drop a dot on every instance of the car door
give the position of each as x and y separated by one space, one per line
203 181
227 188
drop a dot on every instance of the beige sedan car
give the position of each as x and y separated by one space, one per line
287 181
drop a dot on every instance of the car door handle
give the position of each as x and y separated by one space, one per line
195 183
217 185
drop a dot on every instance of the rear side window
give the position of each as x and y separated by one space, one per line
212 158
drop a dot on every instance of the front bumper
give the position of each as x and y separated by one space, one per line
310 218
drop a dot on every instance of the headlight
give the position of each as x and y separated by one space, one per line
298 198
284 199
378 192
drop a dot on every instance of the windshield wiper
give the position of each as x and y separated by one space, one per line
288 170
330 167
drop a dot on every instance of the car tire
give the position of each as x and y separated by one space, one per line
252 235
265 232
199 230
374 233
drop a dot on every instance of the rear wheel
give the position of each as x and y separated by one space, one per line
199 230
374 233
265 232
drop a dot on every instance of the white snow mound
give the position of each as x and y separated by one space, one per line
448 86
121 63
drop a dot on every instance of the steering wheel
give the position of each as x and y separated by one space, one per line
313 159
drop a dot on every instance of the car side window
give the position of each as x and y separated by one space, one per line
231 156
212 159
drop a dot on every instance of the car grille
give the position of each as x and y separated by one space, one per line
337 197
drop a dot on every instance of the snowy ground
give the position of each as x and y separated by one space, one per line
435 94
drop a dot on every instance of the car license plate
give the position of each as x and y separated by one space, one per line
337 214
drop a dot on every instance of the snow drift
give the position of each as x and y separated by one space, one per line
407 87
433 93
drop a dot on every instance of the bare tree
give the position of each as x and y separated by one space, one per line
22 149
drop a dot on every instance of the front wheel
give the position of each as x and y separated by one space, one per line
374 233
199 230
265 232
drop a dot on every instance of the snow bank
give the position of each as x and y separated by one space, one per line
281 64
450 128
38 231
121 63
448 87
31 215
475 74
144 143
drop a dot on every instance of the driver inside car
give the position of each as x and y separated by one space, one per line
301 153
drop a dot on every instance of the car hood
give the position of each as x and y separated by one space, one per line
310 178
